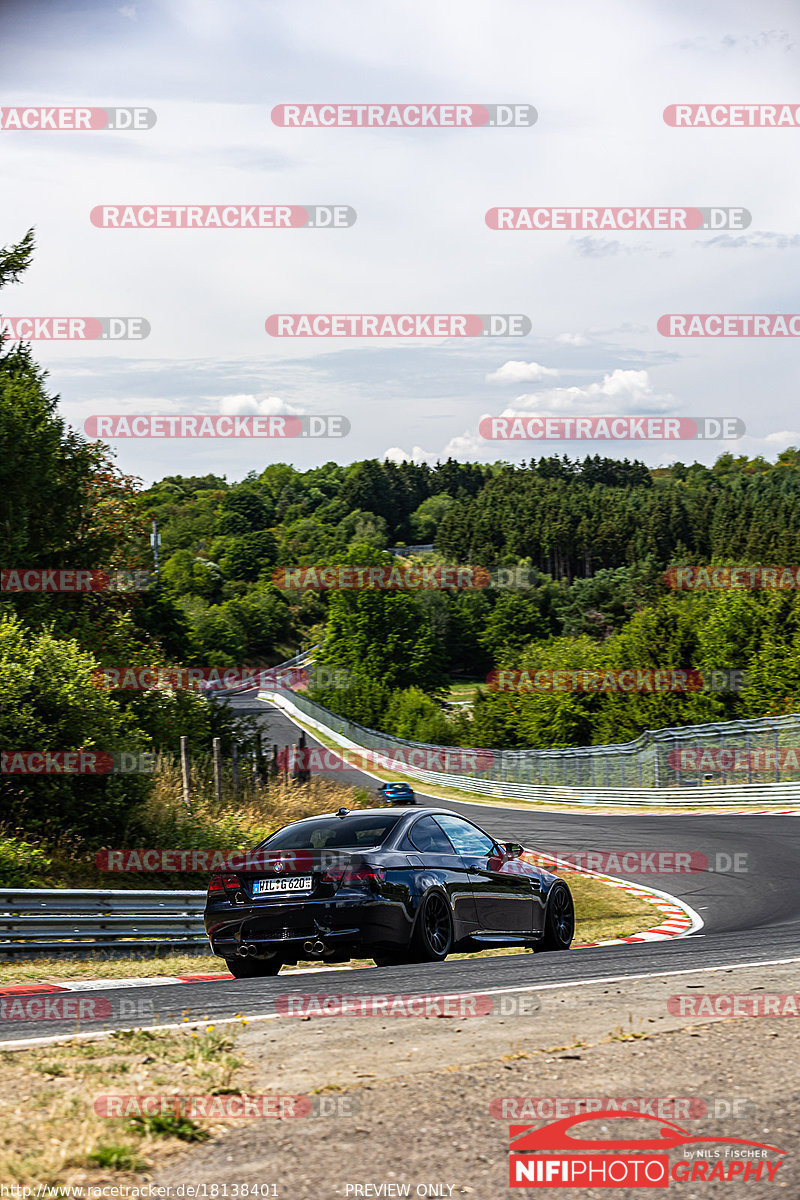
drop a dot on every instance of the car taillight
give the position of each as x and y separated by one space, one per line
222 881
363 876
332 875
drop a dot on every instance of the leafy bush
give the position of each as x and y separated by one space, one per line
51 703
21 863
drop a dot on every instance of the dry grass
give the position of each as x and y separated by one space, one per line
164 822
49 1132
56 970
234 825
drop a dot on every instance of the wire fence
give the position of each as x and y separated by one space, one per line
755 752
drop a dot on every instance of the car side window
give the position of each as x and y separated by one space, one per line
426 836
466 838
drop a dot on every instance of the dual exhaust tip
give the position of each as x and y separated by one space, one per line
246 949
313 946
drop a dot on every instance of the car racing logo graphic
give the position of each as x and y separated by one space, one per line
630 1162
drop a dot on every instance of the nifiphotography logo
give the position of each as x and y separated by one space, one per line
628 1162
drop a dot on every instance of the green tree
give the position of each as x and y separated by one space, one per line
51 702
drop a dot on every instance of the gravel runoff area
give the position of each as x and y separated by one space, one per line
415 1095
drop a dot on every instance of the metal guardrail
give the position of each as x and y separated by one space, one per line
39 921
636 773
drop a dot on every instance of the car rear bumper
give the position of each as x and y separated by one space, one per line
285 927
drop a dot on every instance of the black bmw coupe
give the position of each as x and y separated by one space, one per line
392 884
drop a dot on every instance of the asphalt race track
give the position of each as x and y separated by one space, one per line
750 916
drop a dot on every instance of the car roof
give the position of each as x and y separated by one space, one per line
381 810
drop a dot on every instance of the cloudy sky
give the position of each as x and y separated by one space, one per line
599 75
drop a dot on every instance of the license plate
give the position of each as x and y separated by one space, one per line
283 883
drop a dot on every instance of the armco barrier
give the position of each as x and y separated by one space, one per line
39 921
513 775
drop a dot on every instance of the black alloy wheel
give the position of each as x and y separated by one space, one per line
559 921
433 938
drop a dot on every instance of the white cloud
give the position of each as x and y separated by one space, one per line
464 446
417 455
521 372
760 240
573 339
767 39
619 392
786 437
267 406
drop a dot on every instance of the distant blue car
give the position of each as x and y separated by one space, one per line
397 793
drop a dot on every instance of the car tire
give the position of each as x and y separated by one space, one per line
559 919
433 932
253 968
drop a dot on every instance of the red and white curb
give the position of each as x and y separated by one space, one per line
120 983
86 985
679 919
756 812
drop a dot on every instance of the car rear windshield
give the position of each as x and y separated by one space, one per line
321 833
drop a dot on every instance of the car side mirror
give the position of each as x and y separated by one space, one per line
513 849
